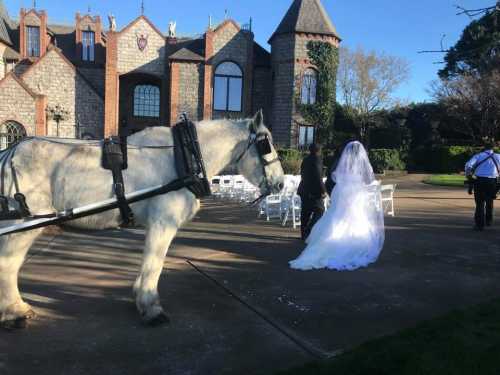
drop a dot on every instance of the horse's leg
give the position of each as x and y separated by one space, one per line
158 239
13 310
167 216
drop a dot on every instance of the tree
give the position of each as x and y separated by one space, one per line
478 49
474 101
367 82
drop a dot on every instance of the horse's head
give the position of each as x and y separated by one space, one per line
259 161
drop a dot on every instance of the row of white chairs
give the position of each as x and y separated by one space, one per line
235 188
287 207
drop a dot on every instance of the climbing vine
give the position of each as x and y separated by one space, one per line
325 57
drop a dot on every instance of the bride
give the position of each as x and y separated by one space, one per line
351 233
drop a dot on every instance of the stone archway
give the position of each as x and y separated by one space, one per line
11 132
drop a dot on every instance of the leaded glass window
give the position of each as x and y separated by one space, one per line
228 87
33 41
147 101
88 45
11 132
308 90
306 136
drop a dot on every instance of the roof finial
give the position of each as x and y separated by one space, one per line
89 9
209 22
226 14
34 4
142 8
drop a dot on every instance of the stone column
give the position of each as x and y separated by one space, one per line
111 107
208 76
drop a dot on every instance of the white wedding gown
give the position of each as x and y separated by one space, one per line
351 233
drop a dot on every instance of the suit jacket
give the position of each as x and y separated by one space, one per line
311 186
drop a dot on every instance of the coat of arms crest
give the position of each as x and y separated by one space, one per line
142 41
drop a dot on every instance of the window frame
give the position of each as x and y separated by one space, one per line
88 45
309 128
228 78
13 130
146 104
30 40
305 75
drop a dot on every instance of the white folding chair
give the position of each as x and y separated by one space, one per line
237 188
387 192
226 185
293 209
215 186
273 207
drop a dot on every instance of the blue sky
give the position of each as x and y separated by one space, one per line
396 27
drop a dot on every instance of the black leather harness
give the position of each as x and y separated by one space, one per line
188 158
5 212
114 158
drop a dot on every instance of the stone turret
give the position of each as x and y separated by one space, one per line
306 20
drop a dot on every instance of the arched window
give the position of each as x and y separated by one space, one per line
11 132
228 87
147 101
308 90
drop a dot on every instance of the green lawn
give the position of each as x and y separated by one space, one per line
446 180
461 343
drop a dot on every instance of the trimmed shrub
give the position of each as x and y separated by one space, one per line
291 160
441 159
386 159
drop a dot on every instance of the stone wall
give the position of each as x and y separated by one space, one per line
283 100
32 19
95 76
17 104
190 98
58 80
131 59
262 93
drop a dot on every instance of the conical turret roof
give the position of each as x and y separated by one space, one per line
4 24
306 16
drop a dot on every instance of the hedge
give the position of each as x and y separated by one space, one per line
291 160
441 159
386 159
432 159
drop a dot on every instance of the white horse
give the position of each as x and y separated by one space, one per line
55 175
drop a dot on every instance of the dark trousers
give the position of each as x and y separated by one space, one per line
484 194
311 212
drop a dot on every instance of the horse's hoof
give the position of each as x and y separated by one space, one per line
30 315
19 322
158 320
16 324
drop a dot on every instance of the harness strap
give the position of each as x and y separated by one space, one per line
492 157
114 158
188 157
23 211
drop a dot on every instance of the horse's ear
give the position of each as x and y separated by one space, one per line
258 120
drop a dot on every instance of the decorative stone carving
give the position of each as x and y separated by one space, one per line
142 41
112 22
172 26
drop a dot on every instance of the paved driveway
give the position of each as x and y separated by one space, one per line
236 307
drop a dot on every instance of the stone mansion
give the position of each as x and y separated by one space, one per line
89 81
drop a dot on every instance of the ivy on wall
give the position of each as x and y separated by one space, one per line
325 57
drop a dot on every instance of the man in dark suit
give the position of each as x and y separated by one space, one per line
311 190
